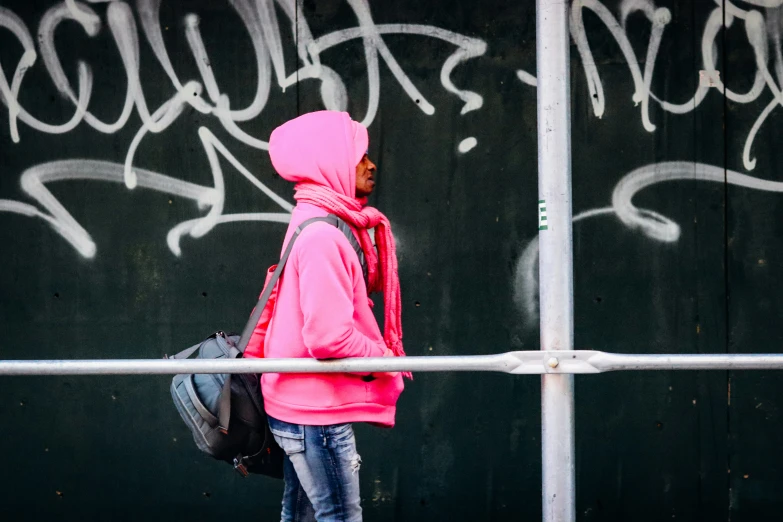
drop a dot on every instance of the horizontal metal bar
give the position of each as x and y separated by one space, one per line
498 363
607 362
518 363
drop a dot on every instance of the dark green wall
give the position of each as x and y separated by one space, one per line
692 266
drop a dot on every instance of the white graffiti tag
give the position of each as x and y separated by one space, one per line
650 223
261 25
760 32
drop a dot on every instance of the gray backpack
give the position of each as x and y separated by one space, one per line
225 412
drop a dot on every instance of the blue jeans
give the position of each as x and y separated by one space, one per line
321 471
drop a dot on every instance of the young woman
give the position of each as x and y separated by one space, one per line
323 311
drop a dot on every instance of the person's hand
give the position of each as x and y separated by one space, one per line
387 352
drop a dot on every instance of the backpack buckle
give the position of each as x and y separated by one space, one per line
240 467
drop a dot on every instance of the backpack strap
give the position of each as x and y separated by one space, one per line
224 401
253 321
184 354
187 352
345 228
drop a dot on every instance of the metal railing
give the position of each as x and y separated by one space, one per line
515 363
555 257
547 363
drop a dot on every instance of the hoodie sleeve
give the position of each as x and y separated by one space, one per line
326 295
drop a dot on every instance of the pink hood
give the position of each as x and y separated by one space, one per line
321 147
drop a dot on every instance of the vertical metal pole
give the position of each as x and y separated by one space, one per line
556 274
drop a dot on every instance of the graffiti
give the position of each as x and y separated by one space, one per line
261 20
650 223
261 23
759 32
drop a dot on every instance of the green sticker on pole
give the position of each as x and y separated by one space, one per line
542 224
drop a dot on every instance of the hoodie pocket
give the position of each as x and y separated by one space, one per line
384 390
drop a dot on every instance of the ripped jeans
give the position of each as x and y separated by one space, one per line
321 471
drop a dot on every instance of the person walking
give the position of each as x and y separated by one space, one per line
323 311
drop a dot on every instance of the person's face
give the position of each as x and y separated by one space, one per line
365 177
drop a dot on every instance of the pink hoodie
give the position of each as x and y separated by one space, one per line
322 309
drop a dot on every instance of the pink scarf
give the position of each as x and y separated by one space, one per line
382 273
